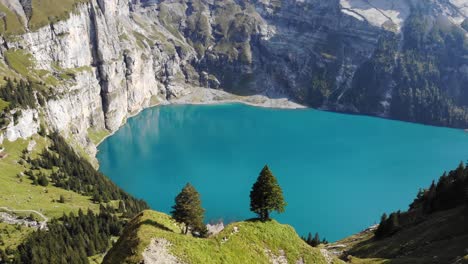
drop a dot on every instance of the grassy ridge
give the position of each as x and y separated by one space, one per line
248 245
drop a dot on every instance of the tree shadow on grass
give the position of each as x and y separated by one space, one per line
257 220
156 224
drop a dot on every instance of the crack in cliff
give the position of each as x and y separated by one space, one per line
96 60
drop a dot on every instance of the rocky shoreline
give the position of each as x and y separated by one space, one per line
203 96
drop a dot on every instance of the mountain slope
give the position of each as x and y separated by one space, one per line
440 238
153 235
433 230
98 62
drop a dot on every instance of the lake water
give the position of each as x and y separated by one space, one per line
339 173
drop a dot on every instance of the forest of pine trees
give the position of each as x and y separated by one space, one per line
71 239
424 71
77 174
314 241
449 192
18 94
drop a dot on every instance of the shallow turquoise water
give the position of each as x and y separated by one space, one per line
339 173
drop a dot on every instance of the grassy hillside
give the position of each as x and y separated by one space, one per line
19 192
242 242
441 238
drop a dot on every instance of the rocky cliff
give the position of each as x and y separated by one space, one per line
96 62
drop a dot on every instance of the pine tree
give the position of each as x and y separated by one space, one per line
460 173
316 240
309 239
266 195
42 180
429 203
188 210
393 222
122 207
380 231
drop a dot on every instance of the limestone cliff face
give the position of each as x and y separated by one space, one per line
116 72
127 55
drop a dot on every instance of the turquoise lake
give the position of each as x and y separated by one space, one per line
339 173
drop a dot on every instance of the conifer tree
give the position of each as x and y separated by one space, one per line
379 232
266 195
188 210
42 180
309 239
316 240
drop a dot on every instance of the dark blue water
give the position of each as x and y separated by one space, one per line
339 173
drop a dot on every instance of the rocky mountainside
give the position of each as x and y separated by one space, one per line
96 62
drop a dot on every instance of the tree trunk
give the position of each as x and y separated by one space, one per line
264 215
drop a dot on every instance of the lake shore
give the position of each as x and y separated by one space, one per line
206 96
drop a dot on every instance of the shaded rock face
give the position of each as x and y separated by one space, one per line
295 43
345 55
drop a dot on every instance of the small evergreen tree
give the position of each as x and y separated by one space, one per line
188 210
316 240
42 180
96 197
309 239
324 241
380 231
266 195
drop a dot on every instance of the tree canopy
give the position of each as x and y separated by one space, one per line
266 195
188 210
